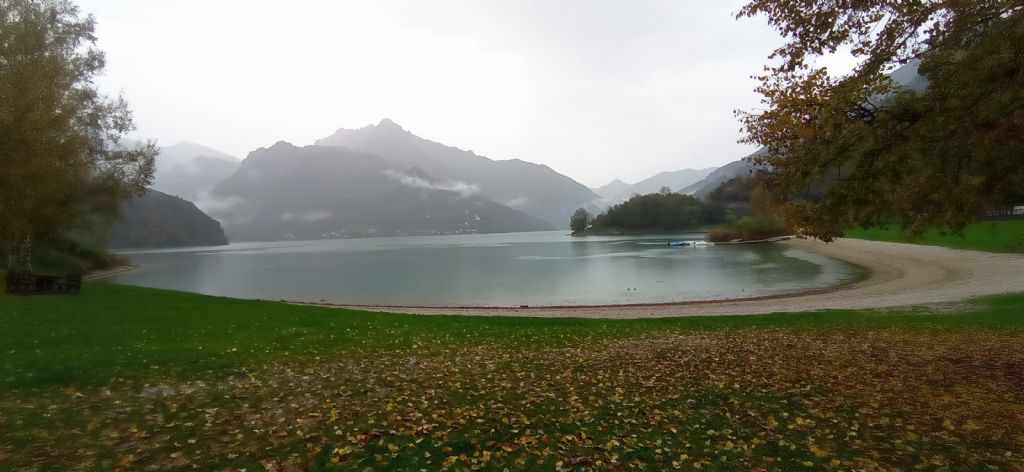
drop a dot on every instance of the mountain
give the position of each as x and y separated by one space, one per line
703 187
185 151
531 188
321 192
907 76
191 170
613 193
611 189
673 180
160 220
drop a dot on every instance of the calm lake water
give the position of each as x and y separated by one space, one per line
546 268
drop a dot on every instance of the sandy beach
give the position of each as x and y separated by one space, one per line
901 275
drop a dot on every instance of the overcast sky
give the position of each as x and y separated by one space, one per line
594 89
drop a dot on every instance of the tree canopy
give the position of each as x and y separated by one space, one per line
659 211
579 220
937 157
62 166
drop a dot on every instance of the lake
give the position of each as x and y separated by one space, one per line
544 268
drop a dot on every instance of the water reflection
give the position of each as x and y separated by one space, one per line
547 268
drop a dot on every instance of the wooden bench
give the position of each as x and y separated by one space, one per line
69 284
21 283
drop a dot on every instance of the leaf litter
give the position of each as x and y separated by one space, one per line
751 399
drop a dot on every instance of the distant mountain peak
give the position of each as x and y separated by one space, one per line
187 169
282 145
186 150
386 123
618 191
548 195
611 190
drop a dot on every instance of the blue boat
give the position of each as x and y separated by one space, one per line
687 243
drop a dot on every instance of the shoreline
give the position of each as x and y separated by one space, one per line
900 274
101 274
388 308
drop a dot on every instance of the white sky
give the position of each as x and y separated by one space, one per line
594 89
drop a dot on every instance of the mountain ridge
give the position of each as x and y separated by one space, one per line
612 193
323 192
157 219
190 170
532 188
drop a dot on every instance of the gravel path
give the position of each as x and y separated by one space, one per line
901 275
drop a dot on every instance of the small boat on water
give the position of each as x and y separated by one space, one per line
688 243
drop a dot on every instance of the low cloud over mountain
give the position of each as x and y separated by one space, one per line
531 188
313 192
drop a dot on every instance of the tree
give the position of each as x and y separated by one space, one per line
579 221
665 190
936 157
737 190
659 212
62 167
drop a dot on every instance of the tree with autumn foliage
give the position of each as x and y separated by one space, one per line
61 165
935 158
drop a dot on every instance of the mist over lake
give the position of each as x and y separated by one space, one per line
539 268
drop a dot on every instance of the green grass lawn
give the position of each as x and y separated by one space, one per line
124 378
995 236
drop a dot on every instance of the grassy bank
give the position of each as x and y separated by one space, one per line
994 236
63 256
130 378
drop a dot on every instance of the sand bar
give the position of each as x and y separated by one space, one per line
901 275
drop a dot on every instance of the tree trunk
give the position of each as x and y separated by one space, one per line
19 258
